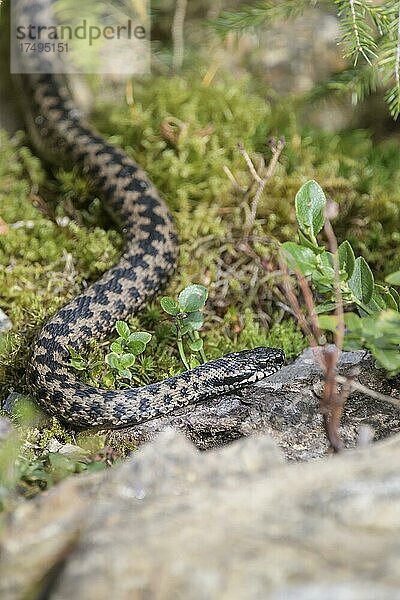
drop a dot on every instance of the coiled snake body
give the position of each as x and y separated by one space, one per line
59 133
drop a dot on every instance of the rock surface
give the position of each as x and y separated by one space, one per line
241 521
235 523
5 323
284 405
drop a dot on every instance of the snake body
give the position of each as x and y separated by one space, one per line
60 134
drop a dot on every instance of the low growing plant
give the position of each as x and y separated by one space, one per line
119 367
125 349
188 318
118 363
372 317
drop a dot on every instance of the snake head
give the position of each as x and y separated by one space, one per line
261 361
248 366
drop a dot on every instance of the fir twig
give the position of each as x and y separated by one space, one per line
370 36
258 14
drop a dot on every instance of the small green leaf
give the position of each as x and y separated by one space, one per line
328 322
136 347
346 258
125 373
352 321
389 359
393 278
327 264
325 307
73 353
184 326
195 345
169 305
122 329
192 298
94 467
310 205
304 241
382 330
61 464
396 296
388 297
361 281
108 380
323 282
377 302
388 326
324 276
79 365
126 361
116 347
76 360
112 360
299 258
140 336
193 361
194 320
352 344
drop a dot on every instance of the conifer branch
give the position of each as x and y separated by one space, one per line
369 35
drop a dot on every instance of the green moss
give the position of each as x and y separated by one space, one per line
250 332
44 256
53 431
359 174
28 465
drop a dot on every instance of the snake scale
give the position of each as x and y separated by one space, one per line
61 136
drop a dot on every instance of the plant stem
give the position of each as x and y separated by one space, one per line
182 351
196 336
276 147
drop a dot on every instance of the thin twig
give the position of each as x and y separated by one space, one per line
233 181
178 35
276 147
294 303
333 247
250 164
331 404
360 49
310 329
355 385
310 305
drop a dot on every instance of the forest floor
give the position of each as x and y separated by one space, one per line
55 237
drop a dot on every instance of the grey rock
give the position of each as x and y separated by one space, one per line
70 450
303 51
344 591
306 368
10 403
237 523
6 427
5 322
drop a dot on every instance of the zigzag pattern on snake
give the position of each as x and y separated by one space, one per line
59 133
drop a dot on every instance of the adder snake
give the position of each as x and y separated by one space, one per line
59 134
